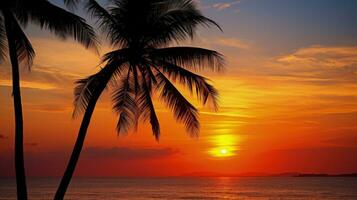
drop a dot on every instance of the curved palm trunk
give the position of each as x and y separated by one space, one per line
19 152
77 149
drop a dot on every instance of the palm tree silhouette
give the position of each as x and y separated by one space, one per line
48 16
144 63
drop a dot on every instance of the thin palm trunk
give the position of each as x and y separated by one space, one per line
19 151
77 149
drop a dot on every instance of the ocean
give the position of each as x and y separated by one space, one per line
190 188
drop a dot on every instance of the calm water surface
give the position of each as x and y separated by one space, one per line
191 188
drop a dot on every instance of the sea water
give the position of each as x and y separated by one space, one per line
190 188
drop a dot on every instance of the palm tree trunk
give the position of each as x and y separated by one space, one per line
77 148
19 151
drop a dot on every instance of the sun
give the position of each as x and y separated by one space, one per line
223 151
224 146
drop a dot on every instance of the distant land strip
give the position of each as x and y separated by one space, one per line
257 174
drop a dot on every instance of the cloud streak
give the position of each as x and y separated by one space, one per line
329 64
124 153
322 56
40 77
226 5
312 159
230 42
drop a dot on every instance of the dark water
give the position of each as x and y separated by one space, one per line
191 188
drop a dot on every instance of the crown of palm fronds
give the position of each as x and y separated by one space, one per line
145 64
64 24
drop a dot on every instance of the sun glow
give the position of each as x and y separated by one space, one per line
224 146
224 151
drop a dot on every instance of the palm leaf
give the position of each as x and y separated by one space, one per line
102 15
24 50
146 105
3 44
195 83
83 92
71 3
108 24
183 110
189 57
177 20
95 84
63 23
125 104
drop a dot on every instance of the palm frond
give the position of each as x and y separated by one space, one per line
3 43
83 92
119 54
189 57
125 104
115 21
71 3
24 50
183 110
97 11
147 110
135 77
177 20
94 85
195 83
63 23
109 25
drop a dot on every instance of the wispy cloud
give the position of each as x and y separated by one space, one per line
123 153
331 64
40 77
322 56
231 42
317 159
225 5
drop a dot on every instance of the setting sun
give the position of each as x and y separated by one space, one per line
220 152
224 151
224 145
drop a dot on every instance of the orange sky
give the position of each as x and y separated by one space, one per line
288 111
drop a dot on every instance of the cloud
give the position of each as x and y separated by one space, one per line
322 56
40 77
53 162
56 66
316 65
316 159
124 153
231 42
225 42
223 6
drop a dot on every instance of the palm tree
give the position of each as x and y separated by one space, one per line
142 64
48 16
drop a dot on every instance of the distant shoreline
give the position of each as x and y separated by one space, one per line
288 174
211 175
326 175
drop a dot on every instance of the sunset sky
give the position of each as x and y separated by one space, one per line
288 100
